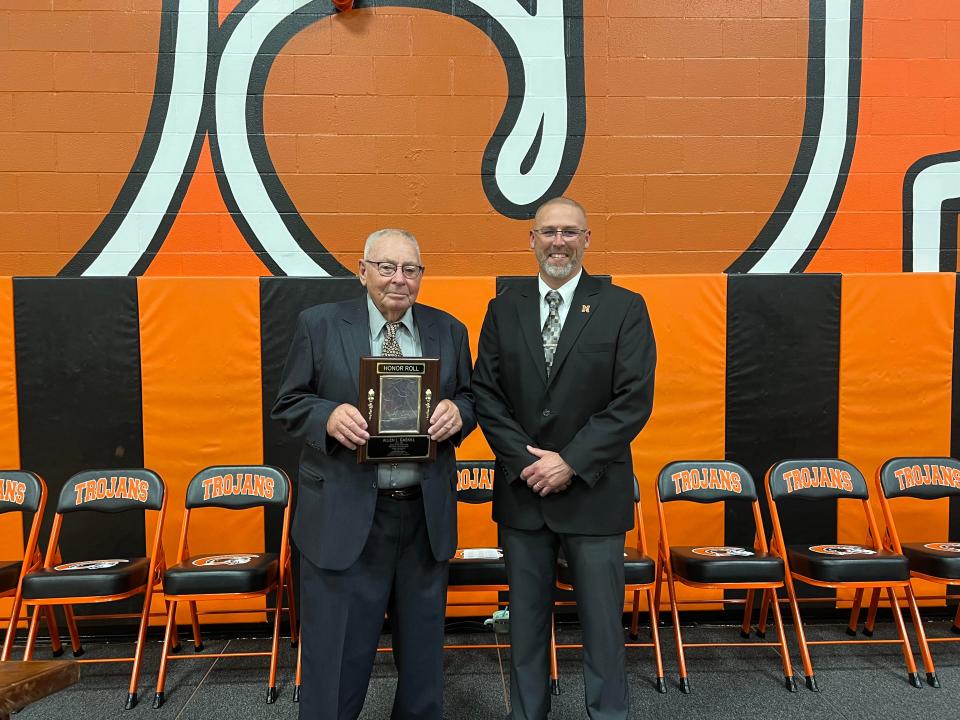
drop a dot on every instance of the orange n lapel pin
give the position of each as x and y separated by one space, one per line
584 308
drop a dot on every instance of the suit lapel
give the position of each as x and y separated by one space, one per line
355 336
576 320
528 310
429 336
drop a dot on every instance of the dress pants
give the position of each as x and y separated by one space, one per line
342 616
596 564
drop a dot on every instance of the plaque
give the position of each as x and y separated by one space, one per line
397 398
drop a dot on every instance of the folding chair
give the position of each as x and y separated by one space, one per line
718 567
857 567
938 561
230 575
104 579
640 574
21 492
477 569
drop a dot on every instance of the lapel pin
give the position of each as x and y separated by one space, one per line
584 308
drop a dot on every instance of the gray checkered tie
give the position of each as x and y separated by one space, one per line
551 328
391 348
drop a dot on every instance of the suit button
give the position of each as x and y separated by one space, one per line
546 413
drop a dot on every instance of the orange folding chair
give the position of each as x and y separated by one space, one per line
718 567
230 575
857 567
640 575
21 492
103 579
936 560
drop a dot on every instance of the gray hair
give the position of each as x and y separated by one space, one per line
375 237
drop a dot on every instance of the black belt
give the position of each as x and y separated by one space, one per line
408 493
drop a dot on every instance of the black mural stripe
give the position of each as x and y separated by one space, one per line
78 388
782 390
281 301
954 522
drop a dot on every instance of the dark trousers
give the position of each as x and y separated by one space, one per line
596 563
342 616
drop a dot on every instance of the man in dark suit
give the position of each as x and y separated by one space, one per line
375 538
564 383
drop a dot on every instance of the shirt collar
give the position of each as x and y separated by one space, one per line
565 290
377 321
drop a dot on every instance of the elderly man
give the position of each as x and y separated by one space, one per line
375 538
564 383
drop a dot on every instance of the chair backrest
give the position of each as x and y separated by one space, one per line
20 491
112 491
927 478
816 479
237 487
705 481
475 481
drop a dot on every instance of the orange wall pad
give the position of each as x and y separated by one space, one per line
896 367
200 350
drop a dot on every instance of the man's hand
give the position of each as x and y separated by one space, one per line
445 421
347 426
547 475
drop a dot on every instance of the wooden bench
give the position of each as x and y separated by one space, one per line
22 683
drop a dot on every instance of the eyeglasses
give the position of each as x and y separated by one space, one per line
388 269
568 234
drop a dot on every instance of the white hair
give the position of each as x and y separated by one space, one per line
377 235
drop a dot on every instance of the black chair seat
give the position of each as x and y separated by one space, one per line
847 563
725 564
938 561
472 566
221 574
638 569
9 574
113 576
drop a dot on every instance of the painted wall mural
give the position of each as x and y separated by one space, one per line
268 137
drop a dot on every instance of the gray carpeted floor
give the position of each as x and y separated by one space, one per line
857 681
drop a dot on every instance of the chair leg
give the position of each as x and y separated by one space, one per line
854 620
872 613
635 616
12 628
292 614
296 685
781 634
764 614
912 675
928 665
747 615
165 655
275 647
56 646
655 635
554 672
75 645
174 643
801 635
195 623
678 638
32 632
956 621
138 652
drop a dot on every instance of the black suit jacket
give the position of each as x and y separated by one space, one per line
337 496
598 398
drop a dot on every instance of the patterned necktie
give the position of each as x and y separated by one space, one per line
391 348
551 328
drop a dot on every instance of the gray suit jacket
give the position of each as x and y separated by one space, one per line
337 496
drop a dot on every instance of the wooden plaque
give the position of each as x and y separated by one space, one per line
397 398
